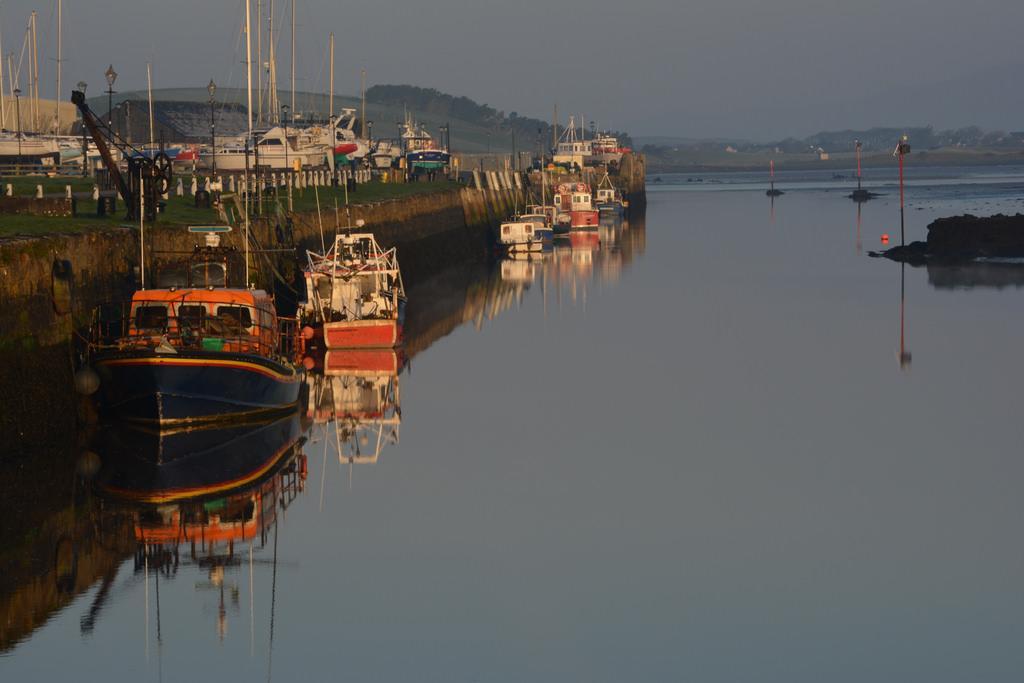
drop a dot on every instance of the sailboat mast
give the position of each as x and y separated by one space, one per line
259 62
272 75
149 91
248 89
248 68
60 59
362 96
330 105
3 105
554 128
293 60
35 75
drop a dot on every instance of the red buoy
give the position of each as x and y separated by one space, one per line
885 238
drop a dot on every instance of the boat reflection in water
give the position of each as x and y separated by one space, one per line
576 260
356 391
206 498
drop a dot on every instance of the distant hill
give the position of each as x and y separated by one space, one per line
439 104
667 154
475 128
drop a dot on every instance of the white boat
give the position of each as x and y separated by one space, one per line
28 148
572 150
281 147
518 235
606 150
385 153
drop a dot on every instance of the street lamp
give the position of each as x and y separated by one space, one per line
111 76
17 106
212 88
85 142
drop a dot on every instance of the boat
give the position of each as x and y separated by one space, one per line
355 297
575 200
385 153
519 234
28 148
609 198
420 150
605 149
572 151
279 148
196 349
541 218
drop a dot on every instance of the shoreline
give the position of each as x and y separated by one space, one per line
845 162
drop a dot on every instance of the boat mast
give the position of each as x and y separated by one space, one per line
35 75
330 105
149 90
60 56
259 62
248 88
248 66
362 95
275 112
554 128
3 106
293 61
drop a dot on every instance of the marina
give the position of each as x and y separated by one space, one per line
339 342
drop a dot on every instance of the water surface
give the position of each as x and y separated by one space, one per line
696 452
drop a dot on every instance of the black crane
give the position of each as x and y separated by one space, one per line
148 178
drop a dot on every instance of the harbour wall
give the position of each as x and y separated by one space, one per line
50 284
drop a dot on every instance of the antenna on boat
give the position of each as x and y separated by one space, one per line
319 218
142 232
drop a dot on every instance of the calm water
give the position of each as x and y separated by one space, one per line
694 454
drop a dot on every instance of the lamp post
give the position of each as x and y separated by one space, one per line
212 88
369 139
111 76
85 142
17 106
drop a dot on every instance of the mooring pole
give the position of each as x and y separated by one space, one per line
857 144
902 149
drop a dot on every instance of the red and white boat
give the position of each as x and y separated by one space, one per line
354 294
576 200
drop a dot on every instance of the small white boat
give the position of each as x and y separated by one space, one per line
519 235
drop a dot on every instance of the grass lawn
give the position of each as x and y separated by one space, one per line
181 210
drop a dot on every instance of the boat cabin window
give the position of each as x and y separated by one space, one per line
209 274
235 317
323 287
270 141
153 317
191 316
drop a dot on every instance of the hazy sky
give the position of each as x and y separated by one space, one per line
741 68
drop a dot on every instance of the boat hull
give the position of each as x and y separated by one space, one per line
585 220
362 334
193 387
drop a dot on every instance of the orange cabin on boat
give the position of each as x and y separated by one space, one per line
231 320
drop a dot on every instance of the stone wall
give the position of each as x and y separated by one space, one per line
49 285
